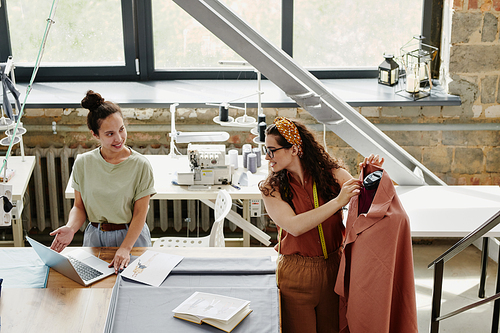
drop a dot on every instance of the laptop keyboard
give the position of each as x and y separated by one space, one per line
85 271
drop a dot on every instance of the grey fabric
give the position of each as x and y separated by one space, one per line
136 307
258 265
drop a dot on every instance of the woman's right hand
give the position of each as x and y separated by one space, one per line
349 189
64 236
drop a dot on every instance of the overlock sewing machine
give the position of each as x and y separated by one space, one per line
207 166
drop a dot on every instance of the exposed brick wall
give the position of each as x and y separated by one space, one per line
475 71
459 157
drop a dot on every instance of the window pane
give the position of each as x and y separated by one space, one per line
336 33
85 33
181 42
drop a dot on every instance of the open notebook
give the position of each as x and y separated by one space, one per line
220 311
78 265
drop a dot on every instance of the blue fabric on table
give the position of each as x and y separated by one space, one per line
22 268
257 265
138 307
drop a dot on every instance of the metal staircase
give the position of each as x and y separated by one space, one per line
308 92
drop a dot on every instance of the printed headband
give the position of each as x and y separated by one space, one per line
290 132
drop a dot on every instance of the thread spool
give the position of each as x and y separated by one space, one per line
258 153
262 131
262 118
246 146
246 151
252 162
223 113
233 158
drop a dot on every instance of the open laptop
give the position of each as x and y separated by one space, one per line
78 265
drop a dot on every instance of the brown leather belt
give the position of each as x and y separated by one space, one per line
110 226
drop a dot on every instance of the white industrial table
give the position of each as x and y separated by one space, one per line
452 211
164 169
449 211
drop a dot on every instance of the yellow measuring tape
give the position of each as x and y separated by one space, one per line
320 227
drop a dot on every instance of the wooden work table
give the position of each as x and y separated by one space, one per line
54 310
57 280
66 306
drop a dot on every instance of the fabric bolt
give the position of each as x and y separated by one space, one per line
93 237
109 191
375 280
308 302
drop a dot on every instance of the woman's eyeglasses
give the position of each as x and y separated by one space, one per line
270 151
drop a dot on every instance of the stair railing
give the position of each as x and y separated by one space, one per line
438 265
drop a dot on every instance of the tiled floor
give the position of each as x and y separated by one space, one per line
460 287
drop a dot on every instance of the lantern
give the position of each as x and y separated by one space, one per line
416 58
388 71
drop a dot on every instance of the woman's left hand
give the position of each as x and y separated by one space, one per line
373 160
121 260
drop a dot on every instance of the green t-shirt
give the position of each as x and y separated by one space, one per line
109 191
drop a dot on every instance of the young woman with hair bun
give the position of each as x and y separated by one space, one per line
304 194
113 185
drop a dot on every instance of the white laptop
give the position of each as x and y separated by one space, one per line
78 265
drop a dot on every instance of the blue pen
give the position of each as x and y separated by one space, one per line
236 187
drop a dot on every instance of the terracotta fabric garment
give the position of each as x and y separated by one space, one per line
375 280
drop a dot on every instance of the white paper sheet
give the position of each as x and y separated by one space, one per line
151 267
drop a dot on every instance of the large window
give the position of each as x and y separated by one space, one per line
340 34
156 39
74 40
89 40
180 42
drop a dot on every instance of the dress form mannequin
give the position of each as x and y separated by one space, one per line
367 192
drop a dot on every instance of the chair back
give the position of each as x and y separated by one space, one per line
223 204
222 207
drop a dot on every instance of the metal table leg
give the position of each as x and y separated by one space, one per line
484 266
496 306
437 292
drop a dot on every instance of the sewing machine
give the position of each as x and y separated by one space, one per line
208 166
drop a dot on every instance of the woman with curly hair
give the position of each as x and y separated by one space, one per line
113 184
304 195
